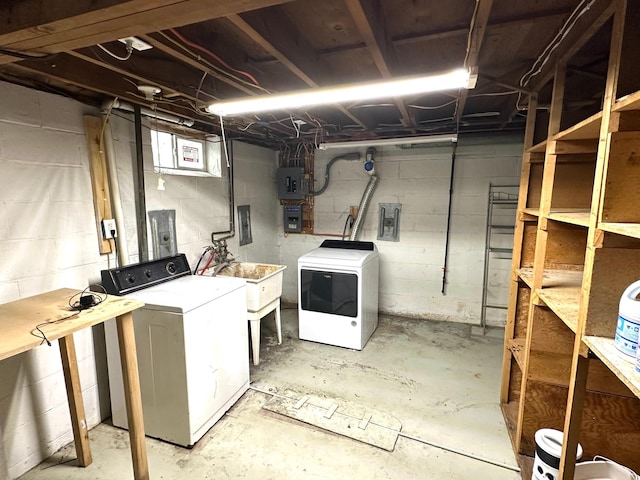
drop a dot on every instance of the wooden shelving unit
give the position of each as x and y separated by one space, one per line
576 248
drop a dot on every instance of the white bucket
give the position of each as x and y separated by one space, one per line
548 452
626 339
604 469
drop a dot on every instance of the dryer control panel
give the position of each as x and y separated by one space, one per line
131 278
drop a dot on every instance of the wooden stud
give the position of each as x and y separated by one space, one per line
513 328
125 19
100 186
76 402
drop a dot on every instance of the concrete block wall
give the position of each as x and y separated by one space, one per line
255 185
411 269
201 203
48 240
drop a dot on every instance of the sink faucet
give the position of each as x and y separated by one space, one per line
222 255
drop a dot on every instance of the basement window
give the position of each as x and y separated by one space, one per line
178 155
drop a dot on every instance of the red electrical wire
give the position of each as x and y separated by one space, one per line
208 52
213 255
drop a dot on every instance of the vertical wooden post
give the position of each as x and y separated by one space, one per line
580 364
93 129
76 403
132 395
541 236
517 246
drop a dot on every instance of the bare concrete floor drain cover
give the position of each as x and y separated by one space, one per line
339 416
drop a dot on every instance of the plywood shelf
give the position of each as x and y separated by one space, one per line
561 293
627 229
622 367
630 102
573 216
526 275
534 212
586 129
538 148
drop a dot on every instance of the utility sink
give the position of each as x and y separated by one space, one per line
264 288
264 282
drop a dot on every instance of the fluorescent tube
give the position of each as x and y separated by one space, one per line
347 93
390 141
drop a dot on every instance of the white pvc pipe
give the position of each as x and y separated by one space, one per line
114 187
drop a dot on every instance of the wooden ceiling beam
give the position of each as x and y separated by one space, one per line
289 47
160 78
41 30
170 89
193 62
369 19
477 32
584 28
91 77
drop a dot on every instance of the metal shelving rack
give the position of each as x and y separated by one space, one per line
501 208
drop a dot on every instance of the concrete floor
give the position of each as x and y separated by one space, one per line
437 379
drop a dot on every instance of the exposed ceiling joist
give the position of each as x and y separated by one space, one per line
369 18
193 62
477 31
42 30
583 29
289 47
95 78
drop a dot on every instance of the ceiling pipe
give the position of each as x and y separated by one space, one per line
147 112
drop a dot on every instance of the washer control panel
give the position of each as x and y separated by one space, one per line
131 278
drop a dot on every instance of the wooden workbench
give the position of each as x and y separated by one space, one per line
18 321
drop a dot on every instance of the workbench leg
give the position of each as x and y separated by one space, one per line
76 403
133 400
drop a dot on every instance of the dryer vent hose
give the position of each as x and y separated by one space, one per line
362 208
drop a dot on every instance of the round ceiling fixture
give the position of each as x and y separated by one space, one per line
149 91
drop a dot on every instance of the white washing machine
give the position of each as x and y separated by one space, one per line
338 293
192 346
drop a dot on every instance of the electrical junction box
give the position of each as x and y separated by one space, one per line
292 184
389 222
292 218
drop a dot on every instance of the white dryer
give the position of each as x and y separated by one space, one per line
338 293
192 346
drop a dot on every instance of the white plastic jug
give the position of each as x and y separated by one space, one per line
626 339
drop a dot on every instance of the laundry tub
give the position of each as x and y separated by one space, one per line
264 288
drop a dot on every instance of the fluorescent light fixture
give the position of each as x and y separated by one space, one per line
453 80
391 141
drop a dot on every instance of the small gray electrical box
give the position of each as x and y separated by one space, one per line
292 184
389 222
292 218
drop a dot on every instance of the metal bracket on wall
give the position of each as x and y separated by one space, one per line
389 222
244 222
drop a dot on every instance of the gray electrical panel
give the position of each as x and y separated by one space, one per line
292 220
292 184
163 233
389 222
244 225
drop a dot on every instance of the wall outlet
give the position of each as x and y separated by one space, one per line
109 229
